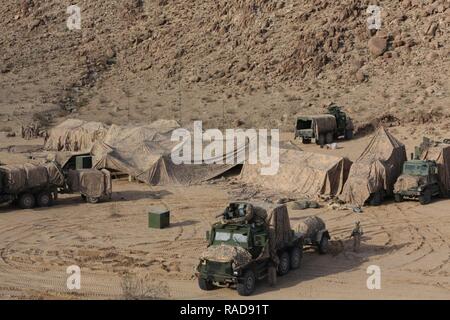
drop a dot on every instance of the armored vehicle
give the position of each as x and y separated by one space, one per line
324 128
419 180
249 243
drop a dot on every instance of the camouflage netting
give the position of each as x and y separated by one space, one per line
227 253
405 182
310 226
302 172
74 135
440 154
18 178
90 182
376 169
145 153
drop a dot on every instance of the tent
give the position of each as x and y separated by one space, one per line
145 153
302 172
74 135
376 169
441 154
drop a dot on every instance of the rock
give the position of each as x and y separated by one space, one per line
377 45
360 76
432 56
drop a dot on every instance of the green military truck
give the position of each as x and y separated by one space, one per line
324 128
426 175
249 244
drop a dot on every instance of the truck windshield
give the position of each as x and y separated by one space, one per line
226 236
415 169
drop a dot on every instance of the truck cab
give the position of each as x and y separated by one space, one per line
419 180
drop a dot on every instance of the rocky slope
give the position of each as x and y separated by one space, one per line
234 63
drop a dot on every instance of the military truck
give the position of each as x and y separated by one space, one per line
250 243
324 128
427 174
29 185
419 180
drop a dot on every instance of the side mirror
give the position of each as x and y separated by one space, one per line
208 235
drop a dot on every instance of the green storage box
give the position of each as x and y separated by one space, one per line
158 218
83 162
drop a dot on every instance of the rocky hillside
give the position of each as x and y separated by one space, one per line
228 63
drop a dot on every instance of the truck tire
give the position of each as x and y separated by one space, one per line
398 197
247 284
27 201
425 198
285 263
296 258
272 276
348 134
376 199
323 245
321 140
205 284
306 140
44 199
329 138
92 200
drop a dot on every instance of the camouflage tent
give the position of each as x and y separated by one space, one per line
441 154
74 135
376 169
303 173
145 153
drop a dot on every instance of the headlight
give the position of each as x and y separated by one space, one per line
236 273
419 189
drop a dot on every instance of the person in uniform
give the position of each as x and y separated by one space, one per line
356 235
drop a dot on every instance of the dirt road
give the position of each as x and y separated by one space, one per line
409 242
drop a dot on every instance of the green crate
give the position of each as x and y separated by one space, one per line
83 162
158 218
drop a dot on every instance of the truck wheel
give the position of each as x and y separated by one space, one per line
348 134
398 197
296 258
247 286
44 199
376 199
27 201
323 245
306 140
329 138
321 140
92 200
285 263
425 198
205 284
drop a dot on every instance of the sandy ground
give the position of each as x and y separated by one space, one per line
409 242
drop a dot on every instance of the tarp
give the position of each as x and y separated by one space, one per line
145 153
310 227
89 182
74 135
323 124
440 154
303 173
19 178
376 169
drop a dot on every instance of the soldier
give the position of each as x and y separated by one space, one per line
356 235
